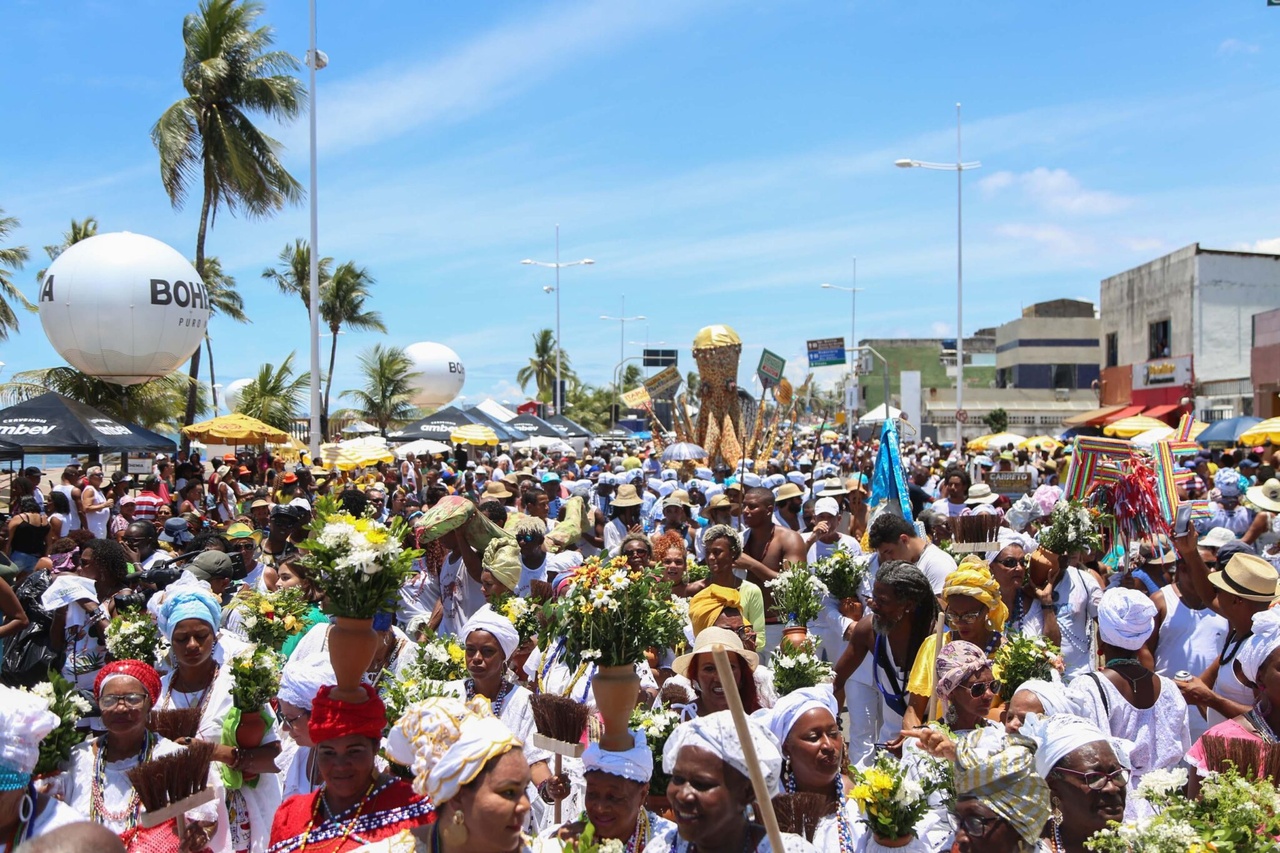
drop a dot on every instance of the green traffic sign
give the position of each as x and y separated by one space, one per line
770 368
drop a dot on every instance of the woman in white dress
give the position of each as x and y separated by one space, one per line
300 681
190 617
96 783
1031 611
710 789
24 813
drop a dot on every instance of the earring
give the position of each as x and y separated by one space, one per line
26 808
455 832
788 778
1056 814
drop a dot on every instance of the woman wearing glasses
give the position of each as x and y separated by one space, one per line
300 681
1030 607
95 780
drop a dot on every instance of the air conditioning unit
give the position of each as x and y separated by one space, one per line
1061 395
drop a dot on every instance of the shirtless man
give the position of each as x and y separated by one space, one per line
766 547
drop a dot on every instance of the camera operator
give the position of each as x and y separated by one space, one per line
82 604
141 541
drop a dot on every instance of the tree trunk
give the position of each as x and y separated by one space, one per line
193 372
213 380
328 386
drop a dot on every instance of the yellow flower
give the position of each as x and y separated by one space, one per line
291 624
376 536
266 608
455 653
861 793
879 780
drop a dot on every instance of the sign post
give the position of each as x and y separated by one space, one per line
826 352
769 371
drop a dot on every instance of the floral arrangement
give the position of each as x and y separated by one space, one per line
357 563
1073 527
1022 658
657 726
255 677
132 635
843 573
797 594
610 614
523 613
798 666
435 661
270 618
586 843
695 572
65 701
891 802
1233 813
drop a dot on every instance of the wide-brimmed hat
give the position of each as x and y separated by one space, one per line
702 645
980 493
497 489
1266 496
719 502
1248 576
626 496
832 488
1216 538
1158 551
677 498
787 491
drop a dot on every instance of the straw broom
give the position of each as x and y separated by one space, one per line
801 812
560 722
170 786
175 723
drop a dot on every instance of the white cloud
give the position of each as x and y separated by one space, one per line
1055 238
1269 246
940 330
1235 47
1057 191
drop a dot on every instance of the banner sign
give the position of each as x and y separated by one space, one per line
1009 483
636 398
770 368
663 384
826 352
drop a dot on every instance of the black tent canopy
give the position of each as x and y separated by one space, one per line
567 428
534 426
52 423
506 433
437 427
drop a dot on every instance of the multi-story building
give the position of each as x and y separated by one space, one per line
1054 345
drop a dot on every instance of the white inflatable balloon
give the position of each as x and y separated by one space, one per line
231 394
440 373
123 307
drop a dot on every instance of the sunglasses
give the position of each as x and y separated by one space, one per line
954 619
1096 781
635 552
1013 562
976 827
980 688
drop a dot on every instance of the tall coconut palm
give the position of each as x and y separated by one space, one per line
541 369
207 139
631 376
157 404
388 386
294 273
81 229
275 395
224 299
342 304
11 258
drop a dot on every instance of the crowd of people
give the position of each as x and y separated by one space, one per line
1161 648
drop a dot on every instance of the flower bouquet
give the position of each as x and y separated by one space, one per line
657 726
1073 527
132 635
796 666
523 613
843 573
255 678
891 802
67 703
797 599
1233 813
270 618
587 843
1022 658
413 684
695 572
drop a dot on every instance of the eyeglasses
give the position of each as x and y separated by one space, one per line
1096 781
954 619
293 721
129 700
978 689
1010 562
635 552
976 827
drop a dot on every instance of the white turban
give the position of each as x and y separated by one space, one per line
782 716
1060 735
1126 618
635 764
1052 695
488 619
1007 536
302 678
1265 640
26 719
716 734
447 743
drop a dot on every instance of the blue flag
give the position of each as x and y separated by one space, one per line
887 483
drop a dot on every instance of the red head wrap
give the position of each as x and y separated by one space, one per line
331 718
144 672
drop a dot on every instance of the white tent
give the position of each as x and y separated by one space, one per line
876 415
496 410
361 428
1147 440
422 447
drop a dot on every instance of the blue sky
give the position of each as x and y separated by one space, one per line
717 159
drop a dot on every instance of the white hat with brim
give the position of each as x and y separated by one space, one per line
625 496
980 493
1266 496
1247 576
833 487
1216 538
703 644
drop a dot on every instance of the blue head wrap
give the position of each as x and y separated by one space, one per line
189 604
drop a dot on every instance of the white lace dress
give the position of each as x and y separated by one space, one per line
671 842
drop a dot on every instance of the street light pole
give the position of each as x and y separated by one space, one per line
853 340
556 397
622 338
313 287
959 167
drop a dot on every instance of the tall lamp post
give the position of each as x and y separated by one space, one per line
959 167
622 339
315 61
556 265
853 340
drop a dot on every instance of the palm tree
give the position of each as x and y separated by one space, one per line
13 258
81 229
208 139
342 303
541 369
388 376
157 404
294 274
275 395
631 376
224 299
589 405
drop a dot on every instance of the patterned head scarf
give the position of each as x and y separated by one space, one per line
1000 771
956 662
705 607
973 578
716 734
502 560
447 743
140 670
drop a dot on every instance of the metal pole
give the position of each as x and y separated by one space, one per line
959 281
853 343
622 352
313 289
555 395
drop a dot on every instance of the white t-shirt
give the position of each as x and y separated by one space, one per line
821 550
460 595
947 508
936 565
552 565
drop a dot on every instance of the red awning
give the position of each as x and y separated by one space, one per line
1160 411
1094 416
1126 412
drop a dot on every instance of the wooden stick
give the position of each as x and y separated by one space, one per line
937 647
558 748
763 801
181 807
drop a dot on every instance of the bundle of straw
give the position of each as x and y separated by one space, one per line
972 533
800 813
175 723
173 784
560 722
1251 758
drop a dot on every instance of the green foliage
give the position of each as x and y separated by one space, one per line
541 369
11 258
132 635
657 726
270 618
65 701
156 405
388 377
255 678
79 230
1020 659
436 661
797 594
275 395
294 275
997 420
795 667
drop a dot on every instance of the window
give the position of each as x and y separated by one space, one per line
1158 340
1064 376
1113 349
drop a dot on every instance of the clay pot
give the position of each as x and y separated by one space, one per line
1041 566
251 730
795 635
616 689
893 843
352 644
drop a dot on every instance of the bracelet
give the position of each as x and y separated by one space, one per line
542 791
237 757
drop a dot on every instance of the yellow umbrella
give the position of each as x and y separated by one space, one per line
1129 427
357 453
1040 442
829 436
1268 430
997 440
236 428
477 434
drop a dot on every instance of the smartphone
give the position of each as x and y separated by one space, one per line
1182 521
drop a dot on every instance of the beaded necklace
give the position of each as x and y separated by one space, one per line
315 811
843 824
204 694
98 811
1261 726
499 701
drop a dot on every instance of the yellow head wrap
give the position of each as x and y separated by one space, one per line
502 559
973 578
705 607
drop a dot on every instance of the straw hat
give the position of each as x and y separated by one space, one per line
1248 576
787 491
1266 496
832 488
497 489
626 496
719 502
678 498
980 493
702 645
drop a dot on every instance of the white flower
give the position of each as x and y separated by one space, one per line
613 845
44 690
592 654
909 791
1162 783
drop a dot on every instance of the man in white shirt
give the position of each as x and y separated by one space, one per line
826 538
535 563
894 538
955 491
97 509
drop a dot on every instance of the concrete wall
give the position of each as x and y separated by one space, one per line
1160 289
1233 286
1035 340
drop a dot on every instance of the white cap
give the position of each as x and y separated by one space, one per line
826 506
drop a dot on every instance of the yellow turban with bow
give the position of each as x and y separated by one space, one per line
705 607
973 578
